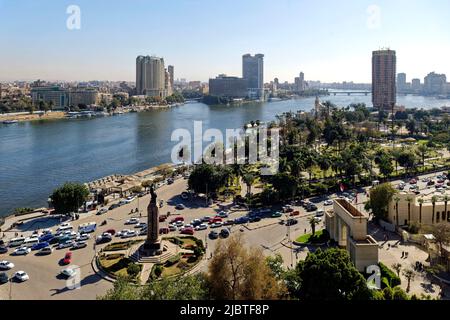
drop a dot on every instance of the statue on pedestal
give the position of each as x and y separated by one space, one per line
152 242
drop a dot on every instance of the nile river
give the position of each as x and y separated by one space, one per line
36 157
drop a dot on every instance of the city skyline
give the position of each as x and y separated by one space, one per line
201 42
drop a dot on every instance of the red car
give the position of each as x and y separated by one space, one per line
67 258
214 220
177 219
412 181
111 231
164 230
294 213
189 231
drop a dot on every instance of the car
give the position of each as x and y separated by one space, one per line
426 179
224 233
65 244
277 214
177 219
164 230
202 226
123 202
412 181
102 211
222 214
162 218
21 276
22 251
228 222
188 225
130 234
265 210
6 265
294 213
132 221
45 251
141 194
216 224
169 181
320 213
67 258
3 278
40 245
241 220
83 237
79 245
69 272
430 183
287 208
213 235
114 206
328 202
104 238
46 237
291 222
255 219
317 219
141 225
215 219
180 206
206 219
172 227
441 181
189 231
111 231
196 222
311 207
179 224
3 249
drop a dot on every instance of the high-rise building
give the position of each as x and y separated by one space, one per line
232 87
253 73
384 64
416 86
171 70
401 82
299 82
150 76
435 84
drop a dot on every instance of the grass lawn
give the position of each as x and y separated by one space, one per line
115 264
306 237
120 245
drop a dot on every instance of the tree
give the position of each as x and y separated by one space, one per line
313 222
409 200
69 197
397 267
420 201
385 166
237 272
422 149
285 184
330 275
396 200
123 290
441 232
409 275
434 199
206 178
249 179
380 196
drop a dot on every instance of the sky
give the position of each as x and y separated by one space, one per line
326 39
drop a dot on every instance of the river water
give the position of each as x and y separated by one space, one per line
36 157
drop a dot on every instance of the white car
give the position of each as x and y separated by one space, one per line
69 272
130 199
318 219
102 211
216 224
6 265
130 234
21 276
141 225
79 245
319 213
83 237
179 224
132 221
66 244
122 232
22 251
202 226
328 202
188 226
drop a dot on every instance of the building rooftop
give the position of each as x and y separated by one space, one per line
350 208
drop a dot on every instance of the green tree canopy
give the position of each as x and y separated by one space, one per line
380 197
69 197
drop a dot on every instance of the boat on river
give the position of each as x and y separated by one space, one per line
10 121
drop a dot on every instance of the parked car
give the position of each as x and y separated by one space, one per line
162 218
40 245
130 199
228 222
21 276
83 237
196 222
291 222
45 251
255 219
129 234
177 219
66 244
317 219
294 213
164 230
328 202
277 214
132 221
241 220
3 278
79 245
111 231
202 226
189 231
6 265
46 237
102 211
206 219
430 183
213 235
67 258
223 214
22 251
287 208
170 181
172 227
216 224
141 225
214 220
412 181
104 238
320 213
3 249
69 272
114 206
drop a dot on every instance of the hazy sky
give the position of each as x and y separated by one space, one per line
328 40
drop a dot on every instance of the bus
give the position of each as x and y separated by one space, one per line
87 227
16 242
65 227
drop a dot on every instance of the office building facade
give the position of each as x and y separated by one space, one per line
435 84
253 73
231 87
151 76
384 91
58 96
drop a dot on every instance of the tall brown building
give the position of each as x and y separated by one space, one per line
384 65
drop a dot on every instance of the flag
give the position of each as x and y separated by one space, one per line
342 187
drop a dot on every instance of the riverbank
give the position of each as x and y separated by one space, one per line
21 117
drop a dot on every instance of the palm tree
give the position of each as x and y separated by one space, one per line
420 209
249 179
433 201
409 275
313 222
396 199
397 267
446 198
409 200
